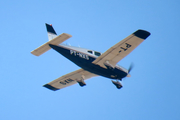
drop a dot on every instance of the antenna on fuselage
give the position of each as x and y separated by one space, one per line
69 44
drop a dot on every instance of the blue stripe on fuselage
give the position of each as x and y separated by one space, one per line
85 62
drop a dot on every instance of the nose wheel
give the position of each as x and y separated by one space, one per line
117 84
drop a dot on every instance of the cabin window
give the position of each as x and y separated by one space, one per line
89 51
97 53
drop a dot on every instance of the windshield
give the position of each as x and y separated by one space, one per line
97 53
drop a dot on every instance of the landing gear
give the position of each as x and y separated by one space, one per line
117 84
81 82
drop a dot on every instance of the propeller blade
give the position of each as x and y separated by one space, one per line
130 67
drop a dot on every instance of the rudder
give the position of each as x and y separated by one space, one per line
51 32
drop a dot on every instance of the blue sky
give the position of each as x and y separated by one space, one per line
152 92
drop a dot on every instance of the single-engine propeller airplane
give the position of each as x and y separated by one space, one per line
92 63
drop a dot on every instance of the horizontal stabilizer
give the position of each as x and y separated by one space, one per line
56 41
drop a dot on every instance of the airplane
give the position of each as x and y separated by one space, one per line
92 63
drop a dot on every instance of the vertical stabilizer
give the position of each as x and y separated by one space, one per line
51 32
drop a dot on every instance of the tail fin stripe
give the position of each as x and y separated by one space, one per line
50 29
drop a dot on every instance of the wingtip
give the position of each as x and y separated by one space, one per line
50 87
142 34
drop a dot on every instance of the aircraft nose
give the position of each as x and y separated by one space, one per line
128 75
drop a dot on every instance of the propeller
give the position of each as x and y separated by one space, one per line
130 67
117 83
129 70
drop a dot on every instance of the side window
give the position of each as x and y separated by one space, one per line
89 51
97 53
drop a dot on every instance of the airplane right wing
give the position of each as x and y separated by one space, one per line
77 76
120 50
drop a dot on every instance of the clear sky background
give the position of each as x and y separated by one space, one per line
152 92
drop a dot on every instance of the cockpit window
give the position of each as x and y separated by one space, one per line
97 53
89 51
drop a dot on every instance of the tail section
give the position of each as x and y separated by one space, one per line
53 39
51 32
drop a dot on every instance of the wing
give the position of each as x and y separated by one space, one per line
122 49
69 79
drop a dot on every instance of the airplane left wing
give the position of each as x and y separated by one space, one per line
77 76
117 52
